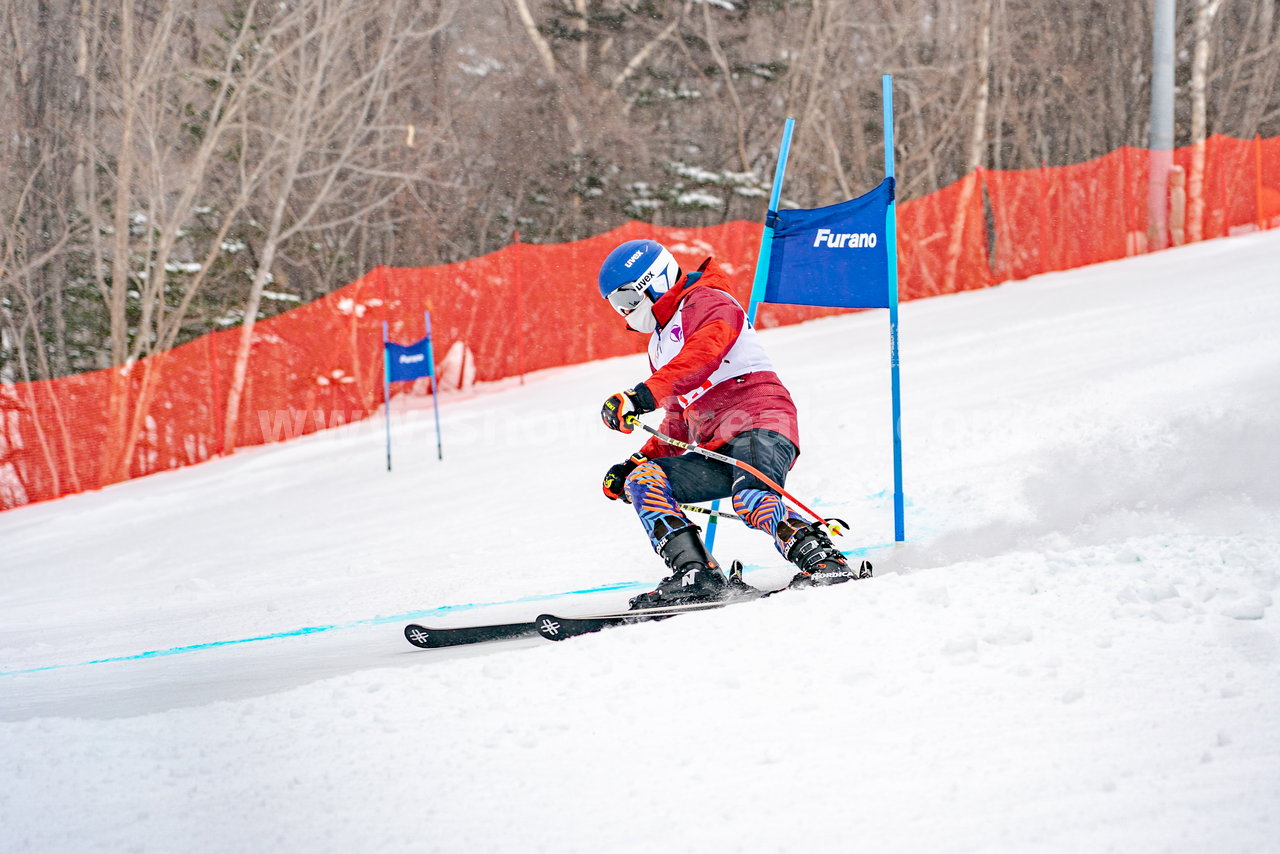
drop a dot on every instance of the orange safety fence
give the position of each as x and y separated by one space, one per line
528 307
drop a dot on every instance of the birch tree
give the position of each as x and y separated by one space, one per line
975 155
323 124
38 221
1206 11
129 153
167 99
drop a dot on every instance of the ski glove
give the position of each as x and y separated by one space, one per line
634 401
615 480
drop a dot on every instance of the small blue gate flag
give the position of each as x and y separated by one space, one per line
409 361
837 256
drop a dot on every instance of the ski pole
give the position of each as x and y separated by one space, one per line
835 526
707 511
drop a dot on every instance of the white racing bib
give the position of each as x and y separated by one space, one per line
744 357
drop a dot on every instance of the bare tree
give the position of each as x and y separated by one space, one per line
1246 76
978 135
1206 11
168 107
322 125
38 222
146 191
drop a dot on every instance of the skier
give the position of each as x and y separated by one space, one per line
713 379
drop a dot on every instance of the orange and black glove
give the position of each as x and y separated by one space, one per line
634 401
616 478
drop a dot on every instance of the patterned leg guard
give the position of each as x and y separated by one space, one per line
764 511
650 493
695 575
809 548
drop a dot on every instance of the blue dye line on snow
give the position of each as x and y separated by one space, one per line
312 630
373 621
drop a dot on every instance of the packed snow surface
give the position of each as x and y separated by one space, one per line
1078 649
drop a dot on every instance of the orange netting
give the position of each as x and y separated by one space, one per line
528 307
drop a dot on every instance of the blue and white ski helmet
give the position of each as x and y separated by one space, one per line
646 263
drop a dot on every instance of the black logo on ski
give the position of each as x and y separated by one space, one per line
555 627
426 637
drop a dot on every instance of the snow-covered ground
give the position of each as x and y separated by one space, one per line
1078 649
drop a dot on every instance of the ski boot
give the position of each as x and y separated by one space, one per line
819 561
695 575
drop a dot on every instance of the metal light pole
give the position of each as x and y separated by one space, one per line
1161 145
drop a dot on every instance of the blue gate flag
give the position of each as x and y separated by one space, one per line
837 256
409 361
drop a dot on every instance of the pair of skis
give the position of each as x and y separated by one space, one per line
557 628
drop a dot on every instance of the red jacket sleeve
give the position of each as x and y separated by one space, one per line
712 322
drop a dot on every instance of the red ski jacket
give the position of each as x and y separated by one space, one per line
710 372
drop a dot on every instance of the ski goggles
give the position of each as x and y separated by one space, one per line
627 298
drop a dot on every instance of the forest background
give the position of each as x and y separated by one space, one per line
171 167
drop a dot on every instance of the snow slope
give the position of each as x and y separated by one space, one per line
1078 649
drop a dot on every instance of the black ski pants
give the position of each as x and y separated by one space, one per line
695 478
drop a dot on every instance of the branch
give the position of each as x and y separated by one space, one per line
531 28
644 52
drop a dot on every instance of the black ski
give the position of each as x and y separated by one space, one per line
557 628
426 637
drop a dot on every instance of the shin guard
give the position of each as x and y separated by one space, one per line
764 511
650 493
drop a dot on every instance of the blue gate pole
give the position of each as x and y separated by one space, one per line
762 264
891 232
386 387
431 372
766 237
